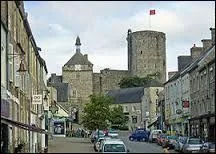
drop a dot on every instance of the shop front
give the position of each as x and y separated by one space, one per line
203 126
4 126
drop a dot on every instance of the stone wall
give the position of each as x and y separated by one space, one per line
147 53
96 83
111 78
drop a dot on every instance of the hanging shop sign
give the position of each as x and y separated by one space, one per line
37 99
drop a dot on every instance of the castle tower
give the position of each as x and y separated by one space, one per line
78 72
147 53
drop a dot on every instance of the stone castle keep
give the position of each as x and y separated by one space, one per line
146 54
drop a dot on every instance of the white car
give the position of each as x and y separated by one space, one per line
113 134
113 146
154 134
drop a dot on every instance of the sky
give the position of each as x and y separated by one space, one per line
102 27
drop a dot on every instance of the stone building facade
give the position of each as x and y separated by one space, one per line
20 51
190 96
202 83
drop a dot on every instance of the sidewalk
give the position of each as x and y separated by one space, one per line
70 145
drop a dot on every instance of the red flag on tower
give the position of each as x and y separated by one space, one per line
152 12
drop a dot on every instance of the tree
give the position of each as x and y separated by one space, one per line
117 117
136 81
97 112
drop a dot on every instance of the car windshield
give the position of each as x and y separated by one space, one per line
172 137
114 148
113 131
194 141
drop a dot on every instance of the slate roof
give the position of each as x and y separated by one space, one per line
127 95
62 91
78 59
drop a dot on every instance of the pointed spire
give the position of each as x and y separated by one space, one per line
78 43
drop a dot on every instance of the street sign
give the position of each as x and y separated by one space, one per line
37 99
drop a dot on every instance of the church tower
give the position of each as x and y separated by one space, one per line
78 72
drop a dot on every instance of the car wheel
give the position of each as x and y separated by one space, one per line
131 138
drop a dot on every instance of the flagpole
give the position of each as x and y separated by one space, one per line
149 22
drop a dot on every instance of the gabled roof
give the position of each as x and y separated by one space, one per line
78 59
127 95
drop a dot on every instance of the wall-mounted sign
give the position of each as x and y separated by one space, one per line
37 99
178 111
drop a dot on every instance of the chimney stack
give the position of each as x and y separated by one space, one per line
86 56
196 51
183 61
207 43
212 35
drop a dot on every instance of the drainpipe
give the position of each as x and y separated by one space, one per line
29 106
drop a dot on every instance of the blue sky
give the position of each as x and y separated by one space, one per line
102 27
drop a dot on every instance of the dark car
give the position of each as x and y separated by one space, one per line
139 135
208 147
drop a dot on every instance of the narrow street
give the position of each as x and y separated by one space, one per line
70 145
83 145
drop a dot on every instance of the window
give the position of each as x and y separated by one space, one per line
125 108
74 93
77 76
133 108
134 119
3 65
140 52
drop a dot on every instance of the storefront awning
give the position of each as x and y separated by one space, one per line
154 123
23 126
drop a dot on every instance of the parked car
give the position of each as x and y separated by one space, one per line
192 145
170 142
98 141
154 134
113 133
161 139
139 135
208 147
179 143
95 134
113 146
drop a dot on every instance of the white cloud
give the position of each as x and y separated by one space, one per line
102 27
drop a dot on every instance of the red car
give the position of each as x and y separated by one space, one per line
161 138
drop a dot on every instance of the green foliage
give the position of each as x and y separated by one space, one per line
138 82
117 116
97 112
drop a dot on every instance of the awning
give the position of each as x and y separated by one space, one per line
152 123
23 126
